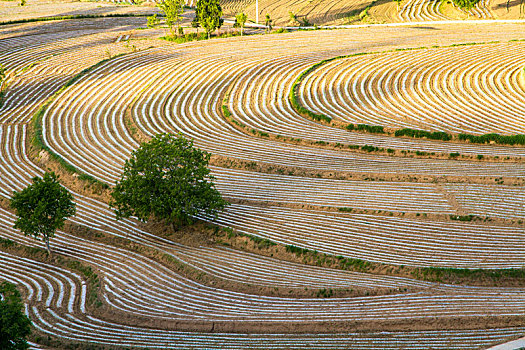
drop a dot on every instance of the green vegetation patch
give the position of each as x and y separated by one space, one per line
437 135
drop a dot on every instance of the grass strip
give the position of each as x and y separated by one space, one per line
479 277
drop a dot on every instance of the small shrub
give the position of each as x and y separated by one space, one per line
518 139
6 243
436 135
345 209
325 293
153 21
368 148
373 129
296 250
462 217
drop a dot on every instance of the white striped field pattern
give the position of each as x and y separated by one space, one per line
429 10
461 89
181 88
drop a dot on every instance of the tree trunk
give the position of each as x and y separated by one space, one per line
46 240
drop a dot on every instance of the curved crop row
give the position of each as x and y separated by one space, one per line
96 123
384 239
390 88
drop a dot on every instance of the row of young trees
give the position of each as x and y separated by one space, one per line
208 15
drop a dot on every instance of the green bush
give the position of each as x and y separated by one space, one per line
518 139
368 148
6 243
325 293
462 217
374 129
345 209
465 4
153 21
436 135
296 250
186 37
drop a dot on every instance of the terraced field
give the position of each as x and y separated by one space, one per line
12 11
362 12
319 11
371 227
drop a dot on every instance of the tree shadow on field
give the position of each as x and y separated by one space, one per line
511 4
423 27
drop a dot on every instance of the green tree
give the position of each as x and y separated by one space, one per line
398 2
195 24
209 14
153 21
2 76
293 18
15 326
173 9
240 21
42 207
167 179
268 23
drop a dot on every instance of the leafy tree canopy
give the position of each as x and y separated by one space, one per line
268 23
173 9
240 21
2 75
42 207
466 4
209 14
167 179
15 326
